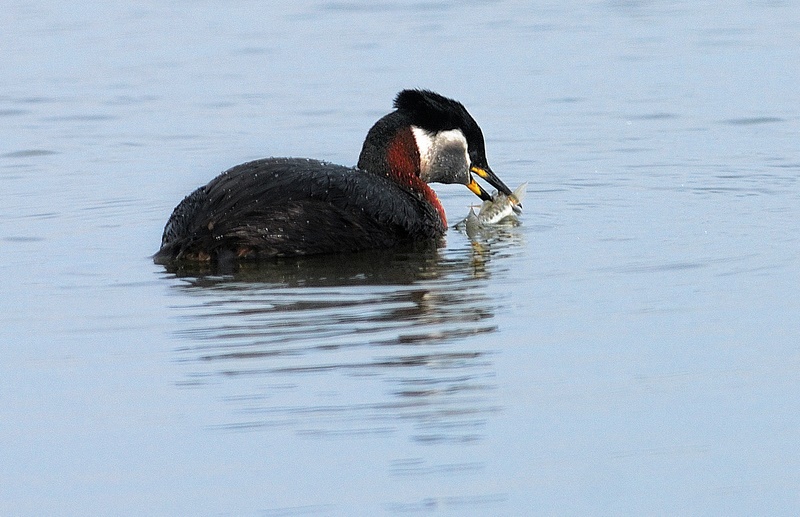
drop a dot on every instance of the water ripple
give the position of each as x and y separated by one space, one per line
386 334
28 153
752 121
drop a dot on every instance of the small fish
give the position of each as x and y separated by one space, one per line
500 207
471 223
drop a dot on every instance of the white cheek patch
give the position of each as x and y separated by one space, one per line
424 145
430 145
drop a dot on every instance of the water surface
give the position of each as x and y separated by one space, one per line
629 348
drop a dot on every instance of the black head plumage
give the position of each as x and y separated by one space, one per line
433 112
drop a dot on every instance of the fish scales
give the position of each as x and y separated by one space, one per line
501 206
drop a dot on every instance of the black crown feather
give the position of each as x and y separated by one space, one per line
432 111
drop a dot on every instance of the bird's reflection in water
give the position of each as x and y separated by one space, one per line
376 342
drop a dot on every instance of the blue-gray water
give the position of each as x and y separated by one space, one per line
633 347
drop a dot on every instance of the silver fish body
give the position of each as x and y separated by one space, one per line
501 206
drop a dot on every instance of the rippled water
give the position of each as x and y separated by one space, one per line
631 347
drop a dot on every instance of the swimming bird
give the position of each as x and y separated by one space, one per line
279 207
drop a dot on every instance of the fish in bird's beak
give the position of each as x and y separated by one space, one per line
487 174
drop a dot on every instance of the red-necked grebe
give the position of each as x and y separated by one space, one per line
277 207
